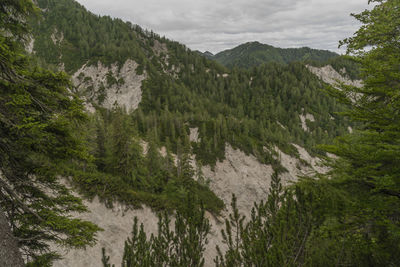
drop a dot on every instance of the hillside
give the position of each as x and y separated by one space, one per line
254 54
121 147
164 121
164 91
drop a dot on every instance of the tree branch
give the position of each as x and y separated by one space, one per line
10 191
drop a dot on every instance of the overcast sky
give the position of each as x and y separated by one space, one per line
216 25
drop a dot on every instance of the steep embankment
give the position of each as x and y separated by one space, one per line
239 174
329 75
109 86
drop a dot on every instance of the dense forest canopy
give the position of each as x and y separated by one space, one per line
145 156
255 54
253 110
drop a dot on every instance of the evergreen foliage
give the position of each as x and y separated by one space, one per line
363 229
71 35
254 110
183 246
254 54
274 235
121 170
38 116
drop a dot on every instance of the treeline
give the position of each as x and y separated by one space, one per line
67 33
254 54
124 168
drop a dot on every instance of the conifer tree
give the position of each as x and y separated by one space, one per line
276 233
181 246
38 116
364 229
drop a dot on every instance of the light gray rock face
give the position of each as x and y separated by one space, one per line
239 174
111 85
117 224
194 135
242 175
329 75
29 46
304 118
57 37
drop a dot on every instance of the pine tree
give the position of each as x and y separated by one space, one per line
183 246
276 234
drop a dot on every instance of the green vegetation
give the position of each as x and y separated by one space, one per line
276 233
38 116
349 216
344 65
120 170
367 171
254 54
254 110
182 246
69 34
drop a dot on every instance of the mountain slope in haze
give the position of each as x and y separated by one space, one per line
254 54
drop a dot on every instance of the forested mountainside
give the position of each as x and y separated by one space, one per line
140 119
253 110
254 54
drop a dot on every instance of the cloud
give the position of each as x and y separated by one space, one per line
215 25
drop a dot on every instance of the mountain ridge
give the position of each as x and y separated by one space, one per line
254 53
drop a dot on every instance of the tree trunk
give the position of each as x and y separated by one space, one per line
9 250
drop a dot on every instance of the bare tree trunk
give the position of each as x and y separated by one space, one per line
9 251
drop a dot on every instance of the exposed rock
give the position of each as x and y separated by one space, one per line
242 175
194 135
303 119
280 124
239 174
117 224
159 48
29 46
57 37
350 129
329 75
125 90
306 165
316 163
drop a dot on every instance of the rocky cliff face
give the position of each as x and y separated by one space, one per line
111 85
239 174
329 75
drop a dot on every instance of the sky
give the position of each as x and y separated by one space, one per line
216 25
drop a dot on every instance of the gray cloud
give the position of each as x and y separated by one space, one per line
216 25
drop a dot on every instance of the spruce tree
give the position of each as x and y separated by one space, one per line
364 229
38 116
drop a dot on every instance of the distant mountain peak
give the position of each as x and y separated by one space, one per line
254 53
